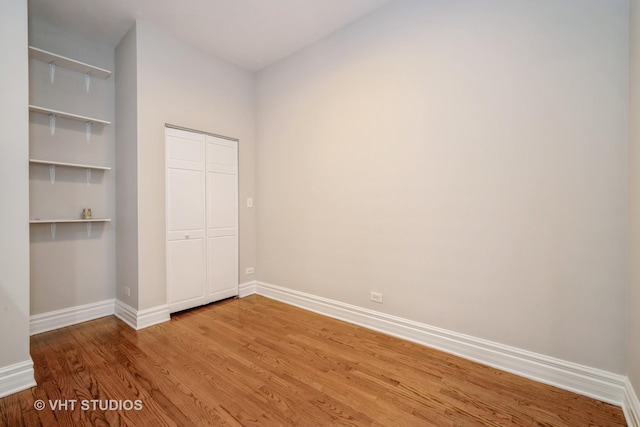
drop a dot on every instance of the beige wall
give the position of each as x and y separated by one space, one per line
184 86
14 185
126 80
74 269
466 159
633 355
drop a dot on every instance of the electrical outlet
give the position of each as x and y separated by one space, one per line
248 270
127 291
376 297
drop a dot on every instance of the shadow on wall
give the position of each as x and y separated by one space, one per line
10 317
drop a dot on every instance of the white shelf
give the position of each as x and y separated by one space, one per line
64 220
71 165
43 110
89 71
53 222
68 63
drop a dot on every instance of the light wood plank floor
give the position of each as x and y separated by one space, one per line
258 362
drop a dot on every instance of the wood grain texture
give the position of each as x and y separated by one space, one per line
258 362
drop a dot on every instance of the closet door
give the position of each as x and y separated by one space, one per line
222 218
185 210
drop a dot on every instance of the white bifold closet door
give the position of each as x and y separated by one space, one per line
202 218
222 217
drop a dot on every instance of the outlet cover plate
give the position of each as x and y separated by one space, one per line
376 297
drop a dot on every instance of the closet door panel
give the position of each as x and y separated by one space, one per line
185 153
221 201
184 150
186 220
222 155
222 217
185 190
186 273
222 268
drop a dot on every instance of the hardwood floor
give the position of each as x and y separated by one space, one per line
258 362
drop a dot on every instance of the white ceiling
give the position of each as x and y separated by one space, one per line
250 33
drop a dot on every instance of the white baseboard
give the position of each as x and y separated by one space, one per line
246 289
631 405
601 385
70 316
153 316
580 379
126 313
140 319
44 322
16 377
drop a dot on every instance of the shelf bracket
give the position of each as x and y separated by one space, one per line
52 173
52 71
53 231
87 128
88 176
52 123
88 229
87 80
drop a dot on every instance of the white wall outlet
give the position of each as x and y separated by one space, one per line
127 291
248 270
376 297
249 202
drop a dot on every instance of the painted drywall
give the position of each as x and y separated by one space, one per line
181 85
465 159
633 356
14 185
76 268
126 81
